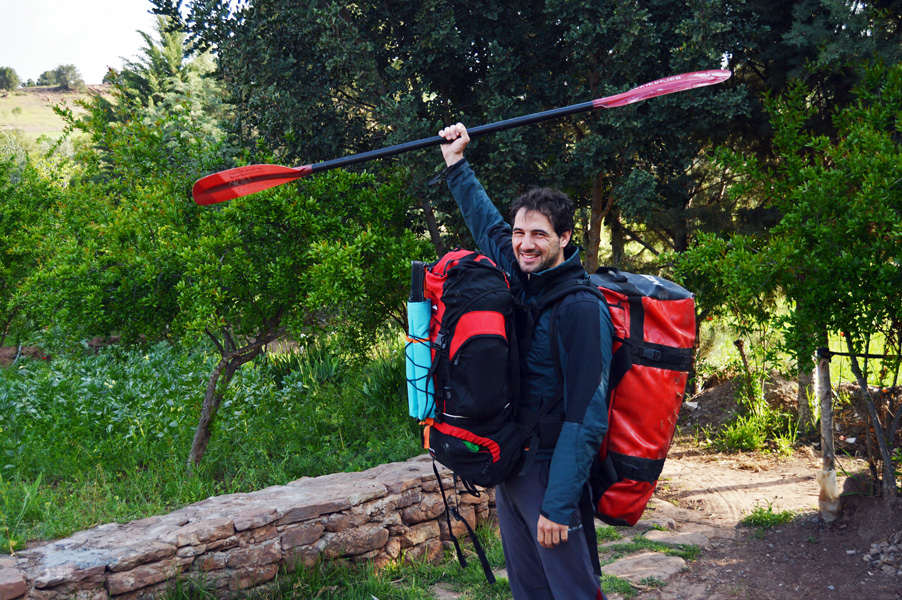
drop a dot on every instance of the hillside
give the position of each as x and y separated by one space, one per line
30 110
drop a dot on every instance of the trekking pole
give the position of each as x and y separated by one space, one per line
242 181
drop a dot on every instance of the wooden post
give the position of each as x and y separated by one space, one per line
828 499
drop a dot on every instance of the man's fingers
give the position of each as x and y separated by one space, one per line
452 132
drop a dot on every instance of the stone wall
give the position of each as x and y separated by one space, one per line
238 542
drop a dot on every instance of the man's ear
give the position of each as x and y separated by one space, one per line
565 238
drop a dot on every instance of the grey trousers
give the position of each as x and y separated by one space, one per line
564 572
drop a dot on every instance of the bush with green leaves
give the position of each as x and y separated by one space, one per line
27 191
126 251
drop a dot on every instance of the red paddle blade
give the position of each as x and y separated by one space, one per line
241 181
660 87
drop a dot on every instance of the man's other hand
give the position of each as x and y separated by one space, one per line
550 534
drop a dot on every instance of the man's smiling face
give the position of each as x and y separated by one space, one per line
536 245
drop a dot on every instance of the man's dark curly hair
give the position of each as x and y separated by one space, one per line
554 204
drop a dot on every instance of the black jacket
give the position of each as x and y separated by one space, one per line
584 339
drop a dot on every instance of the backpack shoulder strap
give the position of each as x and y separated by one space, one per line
554 297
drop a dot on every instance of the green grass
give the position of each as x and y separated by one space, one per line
764 518
418 580
87 439
640 543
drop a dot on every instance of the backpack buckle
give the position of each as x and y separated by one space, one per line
650 354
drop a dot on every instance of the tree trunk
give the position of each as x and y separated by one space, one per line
803 399
434 233
888 478
216 387
740 345
9 322
599 211
828 498
618 239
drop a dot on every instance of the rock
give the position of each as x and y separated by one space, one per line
129 557
268 553
12 583
428 509
644 565
656 522
306 512
355 541
208 530
140 577
457 527
302 536
253 576
419 533
430 551
254 518
259 535
342 521
69 573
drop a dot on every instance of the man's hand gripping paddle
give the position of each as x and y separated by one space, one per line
241 181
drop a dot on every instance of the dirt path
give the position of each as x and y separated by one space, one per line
806 559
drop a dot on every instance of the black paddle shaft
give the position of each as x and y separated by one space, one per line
437 140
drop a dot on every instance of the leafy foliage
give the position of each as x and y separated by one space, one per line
86 438
9 79
47 78
835 254
341 79
28 192
127 252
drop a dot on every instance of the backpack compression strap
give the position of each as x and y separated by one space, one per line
453 512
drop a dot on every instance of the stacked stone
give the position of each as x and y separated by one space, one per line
238 542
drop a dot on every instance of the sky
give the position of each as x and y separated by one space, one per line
39 35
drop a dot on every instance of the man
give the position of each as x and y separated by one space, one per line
544 512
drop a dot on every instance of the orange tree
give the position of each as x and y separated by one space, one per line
836 253
26 191
127 252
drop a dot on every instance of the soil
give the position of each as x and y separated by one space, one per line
857 556
9 354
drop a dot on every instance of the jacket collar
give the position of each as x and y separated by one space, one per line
571 268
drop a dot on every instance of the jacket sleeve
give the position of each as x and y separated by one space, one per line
584 342
489 229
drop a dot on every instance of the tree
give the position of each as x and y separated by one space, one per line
47 78
312 81
27 195
821 42
836 253
162 67
9 79
128 253
68 77
158 83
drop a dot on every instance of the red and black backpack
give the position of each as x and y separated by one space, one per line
474 368
654 338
